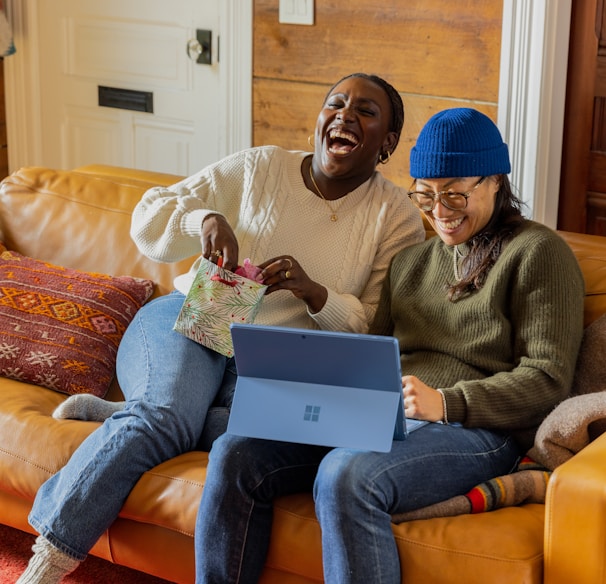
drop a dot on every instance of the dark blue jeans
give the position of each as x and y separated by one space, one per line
355 494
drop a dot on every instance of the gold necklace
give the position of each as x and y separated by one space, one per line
333 216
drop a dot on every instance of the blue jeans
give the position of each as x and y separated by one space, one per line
169 383
355 494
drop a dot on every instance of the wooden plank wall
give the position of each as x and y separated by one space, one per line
437 53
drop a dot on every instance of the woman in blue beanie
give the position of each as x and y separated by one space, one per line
488 316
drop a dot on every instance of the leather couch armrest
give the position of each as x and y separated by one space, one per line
575 518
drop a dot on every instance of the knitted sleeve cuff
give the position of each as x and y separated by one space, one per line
191 224
341 312
445 419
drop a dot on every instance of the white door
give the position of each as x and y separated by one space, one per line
160 110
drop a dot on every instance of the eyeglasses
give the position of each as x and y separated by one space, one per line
450 199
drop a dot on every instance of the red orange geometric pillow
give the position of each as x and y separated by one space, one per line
60 328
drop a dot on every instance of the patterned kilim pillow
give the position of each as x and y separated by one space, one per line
59 327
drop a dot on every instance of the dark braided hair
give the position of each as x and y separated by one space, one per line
397 106
487 245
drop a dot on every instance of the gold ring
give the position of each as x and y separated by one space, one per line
218 253
289 263
287 274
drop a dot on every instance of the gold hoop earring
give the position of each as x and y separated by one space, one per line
310 141
384 157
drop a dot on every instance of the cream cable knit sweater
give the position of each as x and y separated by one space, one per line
262 195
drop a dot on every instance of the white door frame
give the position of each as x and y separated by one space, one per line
532 90
22 86
236 25
532 95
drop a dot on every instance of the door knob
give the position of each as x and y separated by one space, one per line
194 49
199 49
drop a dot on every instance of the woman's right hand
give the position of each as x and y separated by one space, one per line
421 401
219 242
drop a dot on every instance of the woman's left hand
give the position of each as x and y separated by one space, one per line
285 273
421 401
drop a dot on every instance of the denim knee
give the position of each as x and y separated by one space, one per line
341 478
230 453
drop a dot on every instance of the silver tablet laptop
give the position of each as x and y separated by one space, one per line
318 387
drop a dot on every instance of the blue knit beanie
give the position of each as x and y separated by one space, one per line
459 142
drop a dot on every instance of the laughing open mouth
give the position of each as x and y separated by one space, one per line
341 141
448 224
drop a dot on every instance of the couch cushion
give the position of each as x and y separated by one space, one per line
61 327
33 445
502 546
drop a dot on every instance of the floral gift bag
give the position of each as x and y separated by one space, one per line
217 298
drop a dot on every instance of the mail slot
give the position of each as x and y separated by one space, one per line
129 99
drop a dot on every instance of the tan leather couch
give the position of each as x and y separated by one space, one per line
81 219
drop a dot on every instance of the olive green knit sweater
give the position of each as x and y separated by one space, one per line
505 355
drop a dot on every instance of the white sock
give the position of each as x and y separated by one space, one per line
85 406
48 565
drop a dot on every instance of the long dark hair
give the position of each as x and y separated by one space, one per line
487 245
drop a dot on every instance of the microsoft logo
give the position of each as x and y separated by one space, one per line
312 414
